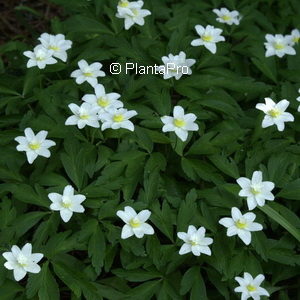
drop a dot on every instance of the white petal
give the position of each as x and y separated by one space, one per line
33 268
127 125
73 120
197 42
27 249
243 182
262 291
191 230
256 177
43 152
245 236
54 197
255 227
66 215
148 229
144 215
211 47
168 128
231 231
29 134
227 222
19 274
236 214
267 122
196 250
31 156
251 202
204 249
68 191
126 232
138 232
183 236
36 257
249 216
15 250
178 112
283 105
182 134
77 208
185 248
8 256
206 241
82 64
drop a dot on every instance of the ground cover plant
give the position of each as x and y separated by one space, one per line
150 150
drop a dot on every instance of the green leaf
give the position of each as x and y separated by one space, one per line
43 284
9 289
96 248
226 165
27 221
27 194
137 275
291 190
144 290
273 214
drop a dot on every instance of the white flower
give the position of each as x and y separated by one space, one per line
40 57
278 45
88 72
132 12
180 123
176 66
298 99
209 36
250 288
195 241
275 113
22 261
86 114
241 225
256 190
135 223
67 203
34 145
101 100
294 37
57 43
226 16
117 118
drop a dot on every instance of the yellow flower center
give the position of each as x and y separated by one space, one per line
22 261
193 243
274 113
134 223
34 146
241 224
88 74
118 118
207 38
179 122
54 48
66 204
102 102
251 288
226 17
135 11
254 191
278 46
123 3
296 39
40 58
84 117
